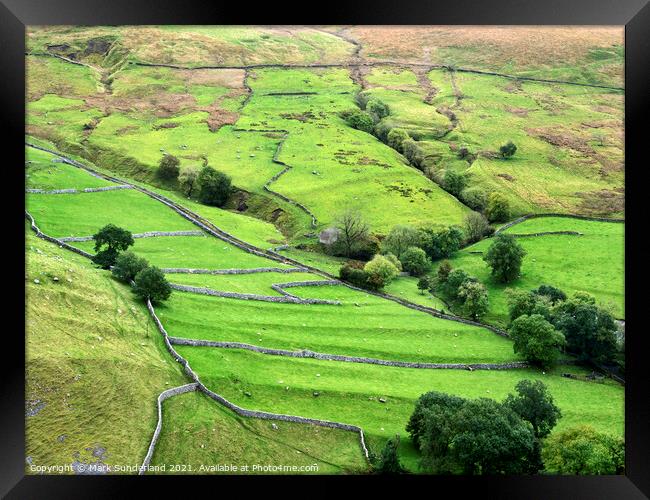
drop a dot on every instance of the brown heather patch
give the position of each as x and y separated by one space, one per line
520 112
231 78
507 177
562 139
525 46
219 118
603 202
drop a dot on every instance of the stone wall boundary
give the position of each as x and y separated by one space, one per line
77 191
148 234
254 270
284 298
60 243
156 434
349 359
568 216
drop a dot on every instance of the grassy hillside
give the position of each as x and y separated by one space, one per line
95 363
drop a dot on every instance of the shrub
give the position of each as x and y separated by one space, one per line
507 150
498 208
555 295
534 404
412 152
536 340
476 226
431 401
505 256
169 167
127 266
188 179
583 450
475 299
381 271
214 187
399 239
388 462
454 182
443 271
396 138
150 283
394 260
359 119
414 261
362 99
454 280
443 243
115 239
377 109
474 197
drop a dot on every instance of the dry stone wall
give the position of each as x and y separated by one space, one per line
75 191
181 270
251 296
149 234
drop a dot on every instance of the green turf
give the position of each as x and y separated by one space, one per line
362 325
198 432
591 263
83 214
349 392
42 173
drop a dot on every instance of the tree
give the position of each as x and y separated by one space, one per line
354 275
188 180
359 119
415 262
482 436
498 207
443 271
476 225
443 243
396 138
534 404
389 463
394 260
399 239
590 331
169 167
536 340
583 450
150 283
381 271
127 266
507 150
521 302
412 152
424 283
505 256
353 230
475 299
432 405
454 182
454 281
214 187
115 239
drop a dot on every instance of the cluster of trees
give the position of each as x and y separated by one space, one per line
544 322
213 186
465 291
111 243
482 436
373 275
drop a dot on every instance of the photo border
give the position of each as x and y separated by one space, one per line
634 14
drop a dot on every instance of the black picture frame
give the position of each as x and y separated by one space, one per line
634 14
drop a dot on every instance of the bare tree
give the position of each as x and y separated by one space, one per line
353 229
